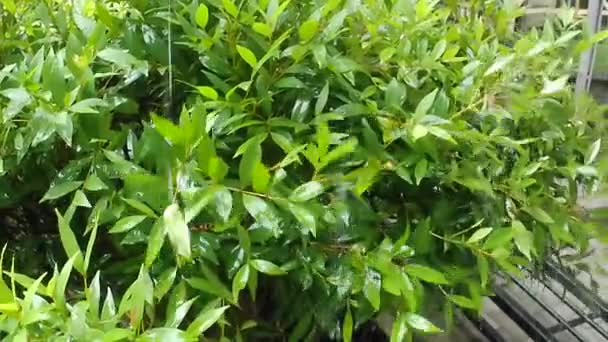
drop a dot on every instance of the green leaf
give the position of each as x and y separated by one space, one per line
19 98
202 16
593 151
308 29
260 178
306 191
555 86
425 105
87 106
400 328
420 323
177 230
484 270
371 288
158 334
208 92
427 274
251 158
164 283
223 203
539 214
394 94
322 99
247 55
205 320
81 200
347 326
62 282
420 170
60 189
142 207
305 217
230 8
127 223
498 238
262 29
524 239
479 235
94 183
418 132
339 152
262 212
462 301
155 242
267 267
240 281
69 242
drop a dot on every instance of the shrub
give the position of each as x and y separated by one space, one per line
261 170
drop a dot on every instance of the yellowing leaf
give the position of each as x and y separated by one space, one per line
247 55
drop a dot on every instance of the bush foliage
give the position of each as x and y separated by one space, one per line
270 170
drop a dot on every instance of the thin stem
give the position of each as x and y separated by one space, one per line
467 108
258 194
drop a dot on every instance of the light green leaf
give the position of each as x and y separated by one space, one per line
87 106
322 99
260 178
427 274
539 214
62 282
593 151
142 207
418 132
400 328
347 326
155 242
156 335
205 320
263 29
555 86
240 281
19 98
251 158
499 64
394 95
69 242
308 29
223 203
524 239
462 301
371 287
80 200
484 270
164 282
306 191
498 238
420 170
202 16
262 212
94 183
305 217
179 234
247 55
425 105
339 152
230 8
267 267
420 323
479 235
60 189
127 223
208 92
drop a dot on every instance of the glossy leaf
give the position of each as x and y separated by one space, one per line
60 190
267 267
247 55
426 273
177 230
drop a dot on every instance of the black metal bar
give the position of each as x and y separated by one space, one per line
549 310
521 316
580 291
574 308
573 322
